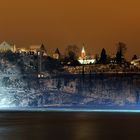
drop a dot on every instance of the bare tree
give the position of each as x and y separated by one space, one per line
121 47
121 50
72 52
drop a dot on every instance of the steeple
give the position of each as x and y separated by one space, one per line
56 54
57 51
83 53
43 50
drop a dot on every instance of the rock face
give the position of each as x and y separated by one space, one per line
71 90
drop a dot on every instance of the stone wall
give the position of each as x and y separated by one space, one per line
73 90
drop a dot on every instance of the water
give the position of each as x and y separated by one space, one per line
69 126
88 94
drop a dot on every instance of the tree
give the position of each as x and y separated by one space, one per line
121 50
97 58
103 58
51 64
72 52
134 57
10 56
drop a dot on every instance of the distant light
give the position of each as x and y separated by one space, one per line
91 110
38 53
53 109
87 61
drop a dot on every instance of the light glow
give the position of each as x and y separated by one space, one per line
87 61
69 110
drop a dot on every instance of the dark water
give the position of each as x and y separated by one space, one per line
69 126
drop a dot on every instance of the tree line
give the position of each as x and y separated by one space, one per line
29 62
72 54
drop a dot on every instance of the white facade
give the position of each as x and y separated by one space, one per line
87 61
4 46
136 62
34 48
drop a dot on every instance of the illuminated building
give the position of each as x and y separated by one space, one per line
136 63
4 47
56 55
22 50
83 53
37 49
84 59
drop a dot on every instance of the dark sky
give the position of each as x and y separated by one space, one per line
58 23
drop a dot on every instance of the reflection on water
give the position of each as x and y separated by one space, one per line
69 126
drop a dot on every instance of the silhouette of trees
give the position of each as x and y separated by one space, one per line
51 64
72 52
121 50
134 57
97 58
10 56
103 58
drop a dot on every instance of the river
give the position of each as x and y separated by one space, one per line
69 126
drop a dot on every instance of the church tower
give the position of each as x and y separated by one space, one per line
83 53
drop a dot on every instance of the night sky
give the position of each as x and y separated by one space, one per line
58 23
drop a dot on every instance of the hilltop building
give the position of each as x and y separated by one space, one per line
22 50
84 59
83 53
42 50
136 63
4 47
56 54
35 49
